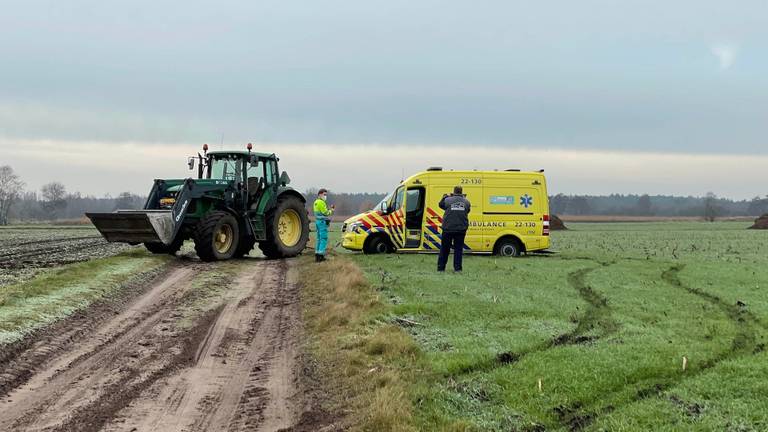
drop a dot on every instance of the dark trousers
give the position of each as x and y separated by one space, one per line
455 240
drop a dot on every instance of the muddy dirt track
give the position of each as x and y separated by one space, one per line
147 367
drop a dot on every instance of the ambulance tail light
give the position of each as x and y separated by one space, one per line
545 229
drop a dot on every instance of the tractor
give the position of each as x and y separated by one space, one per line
237 200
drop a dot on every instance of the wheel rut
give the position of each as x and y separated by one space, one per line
745 342
594 323
233 368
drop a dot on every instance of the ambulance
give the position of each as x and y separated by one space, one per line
509 214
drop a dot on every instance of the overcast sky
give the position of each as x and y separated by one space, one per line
626 97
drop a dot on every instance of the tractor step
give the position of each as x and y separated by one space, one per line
135 226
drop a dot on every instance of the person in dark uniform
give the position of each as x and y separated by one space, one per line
455 225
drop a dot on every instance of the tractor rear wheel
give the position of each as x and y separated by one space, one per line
287 229
217 236
161 248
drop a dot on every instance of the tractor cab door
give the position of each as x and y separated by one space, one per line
256 183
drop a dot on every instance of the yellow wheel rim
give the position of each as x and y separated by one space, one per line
222 239
289 227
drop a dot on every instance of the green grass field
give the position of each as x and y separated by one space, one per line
593 337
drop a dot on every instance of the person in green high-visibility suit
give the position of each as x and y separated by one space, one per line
322 221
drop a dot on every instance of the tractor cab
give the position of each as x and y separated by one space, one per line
254 175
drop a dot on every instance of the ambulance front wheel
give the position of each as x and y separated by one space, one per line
509 247
377 245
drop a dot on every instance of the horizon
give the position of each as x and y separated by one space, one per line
132 168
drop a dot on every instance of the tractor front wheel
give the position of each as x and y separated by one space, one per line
217 236
287 229
161 248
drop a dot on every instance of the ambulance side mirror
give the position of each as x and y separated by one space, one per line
383 208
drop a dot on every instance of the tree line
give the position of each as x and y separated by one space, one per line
709 206
347 204
54 202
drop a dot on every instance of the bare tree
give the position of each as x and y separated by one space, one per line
54 199
126 201
711 209
11 188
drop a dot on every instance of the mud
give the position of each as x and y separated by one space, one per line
19 359
148 363
596 318
507 357
556 224
761 222
573 418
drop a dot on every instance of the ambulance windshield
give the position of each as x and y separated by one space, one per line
382 205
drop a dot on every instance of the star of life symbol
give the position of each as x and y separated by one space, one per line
526 201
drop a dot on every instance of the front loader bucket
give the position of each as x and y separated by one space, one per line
135 226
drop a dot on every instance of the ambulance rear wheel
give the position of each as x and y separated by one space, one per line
377 245
508 247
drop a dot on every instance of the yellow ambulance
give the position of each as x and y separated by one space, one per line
509 214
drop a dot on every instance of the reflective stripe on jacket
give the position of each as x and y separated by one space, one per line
321 210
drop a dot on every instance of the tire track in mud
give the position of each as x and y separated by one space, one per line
95 358
93 417
20 360
744 343
597 317
234 369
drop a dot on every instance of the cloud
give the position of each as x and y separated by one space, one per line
725 53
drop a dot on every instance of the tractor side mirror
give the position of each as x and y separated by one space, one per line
284 179
191 163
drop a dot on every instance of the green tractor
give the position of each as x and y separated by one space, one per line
237 200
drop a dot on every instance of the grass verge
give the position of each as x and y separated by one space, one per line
369 363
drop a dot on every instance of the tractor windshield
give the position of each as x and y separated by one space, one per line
225 167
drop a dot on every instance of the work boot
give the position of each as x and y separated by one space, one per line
322 257
318 257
